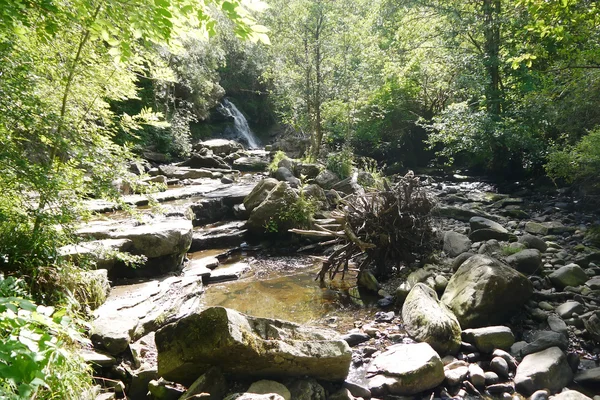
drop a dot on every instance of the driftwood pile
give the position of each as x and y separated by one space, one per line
378 230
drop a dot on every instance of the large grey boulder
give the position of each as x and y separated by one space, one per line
428 320
220 147
569 275
527 261
326 179
247 346
285 175
546 369
259 193
132 311
278 200
484 291
456 243
405 369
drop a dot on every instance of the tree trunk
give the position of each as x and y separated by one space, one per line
491 17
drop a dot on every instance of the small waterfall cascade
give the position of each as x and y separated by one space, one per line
240 125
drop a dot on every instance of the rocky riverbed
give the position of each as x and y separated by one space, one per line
508 308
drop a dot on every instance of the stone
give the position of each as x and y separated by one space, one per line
220 147
140 379
588 377
533 242
278 200
205 161
569 275
491 378
103 252
131 311
349 185
405 369
536 228
227 273
460 213
456 372
484 291
266 387
355 338
570 395
594 283
248 347
159 389
543 340
97 358
367 280
527 261
326 179
556 324
456 243
481 235
307 170
489 338
512 362
428 320
285 175
460 259
539 395
476 375
259 193
231 234
254 396
592 326
567 309
477 223
499 366
547 369
212 382
307 389
251 164
315 192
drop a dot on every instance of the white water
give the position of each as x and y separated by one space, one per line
240 124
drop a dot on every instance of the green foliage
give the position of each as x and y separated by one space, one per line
274 165
509 250
299 214
578 162
37 358
341 163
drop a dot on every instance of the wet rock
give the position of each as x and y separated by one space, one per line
248 347
533 242
499 366
569 275
489 338
326 179
267 387
428 320
473 292
456 243
278 199
527 261
259 193
211 382
307 389
405 369
547 369
134 310
491 378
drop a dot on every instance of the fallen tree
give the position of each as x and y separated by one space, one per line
378 230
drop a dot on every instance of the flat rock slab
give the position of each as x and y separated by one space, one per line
546 369
231 234
246 346
132 311
405 369
227 273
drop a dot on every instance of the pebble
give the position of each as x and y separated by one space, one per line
477 375
499 366
539 395
491 378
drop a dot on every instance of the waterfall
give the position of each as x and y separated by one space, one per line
240 125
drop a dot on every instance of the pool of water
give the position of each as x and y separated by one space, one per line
285 288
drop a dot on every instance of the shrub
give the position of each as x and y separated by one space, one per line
299 214
279 155
341 163
37 358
